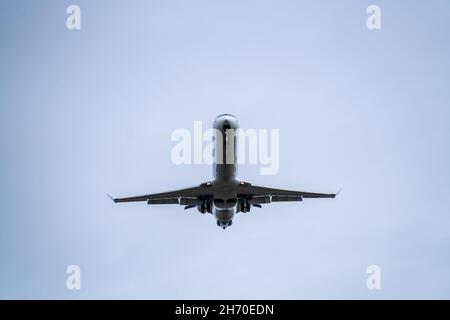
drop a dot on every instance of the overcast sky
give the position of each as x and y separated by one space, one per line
89 112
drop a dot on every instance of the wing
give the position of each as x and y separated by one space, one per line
258 194
187 196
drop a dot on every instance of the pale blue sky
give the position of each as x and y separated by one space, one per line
89 112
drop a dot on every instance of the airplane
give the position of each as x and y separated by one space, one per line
225 196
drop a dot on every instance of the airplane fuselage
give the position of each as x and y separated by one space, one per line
225 169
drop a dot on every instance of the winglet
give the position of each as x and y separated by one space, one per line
111 198
337 192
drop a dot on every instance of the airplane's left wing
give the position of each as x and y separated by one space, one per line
259 195
182 196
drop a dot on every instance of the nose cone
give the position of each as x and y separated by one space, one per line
226 121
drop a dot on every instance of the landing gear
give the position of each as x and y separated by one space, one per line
244 206
205 206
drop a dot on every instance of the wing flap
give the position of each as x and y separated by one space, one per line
163 201
282 198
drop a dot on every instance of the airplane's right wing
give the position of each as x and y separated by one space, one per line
187 196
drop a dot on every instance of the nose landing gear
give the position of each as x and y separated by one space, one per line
224 224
